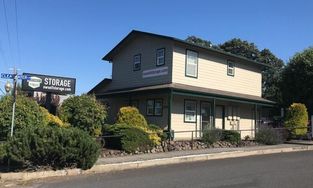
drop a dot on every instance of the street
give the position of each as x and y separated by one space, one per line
277 170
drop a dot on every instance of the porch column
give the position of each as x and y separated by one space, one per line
169 111
255 118
213 111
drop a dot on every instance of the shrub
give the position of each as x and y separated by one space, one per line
211 136
27 113
85 113
2 153
269 136
131 116
297 119
52 146
128 138
52 120
231 136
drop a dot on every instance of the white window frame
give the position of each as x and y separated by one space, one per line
189 55
137 62
160 57
187 111
230 68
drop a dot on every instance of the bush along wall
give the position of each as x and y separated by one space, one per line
211 136
52 147
297 119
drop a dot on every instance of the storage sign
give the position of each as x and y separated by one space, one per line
46 83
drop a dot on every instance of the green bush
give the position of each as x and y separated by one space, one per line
297 119
231 136
269 136
27 113
128 138
85 113
3 153
131 116
211 136
52 146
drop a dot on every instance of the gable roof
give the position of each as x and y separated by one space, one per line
109 56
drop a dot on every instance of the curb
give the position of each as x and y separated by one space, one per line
102 168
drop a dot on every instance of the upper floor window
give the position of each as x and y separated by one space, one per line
230 68
191 64
160 57
137 62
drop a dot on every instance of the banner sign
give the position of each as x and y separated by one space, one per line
155 72
46 83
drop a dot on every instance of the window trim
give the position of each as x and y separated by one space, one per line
233 68
138 69
156 57
186 59
196 110
153 114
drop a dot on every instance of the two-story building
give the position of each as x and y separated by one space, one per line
182 86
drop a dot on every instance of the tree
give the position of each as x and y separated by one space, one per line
242 48
198 41
297 80
297 119
84 112
27 113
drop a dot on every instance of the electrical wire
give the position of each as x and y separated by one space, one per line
17 35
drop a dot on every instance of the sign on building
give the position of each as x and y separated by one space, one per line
49 84
155 72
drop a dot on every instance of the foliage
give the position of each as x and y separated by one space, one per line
27 113
198 41
297 80
128 138
84 112
269 136
242 48
51 120
3 153
231 136
297 119
131 116
211 136
52 146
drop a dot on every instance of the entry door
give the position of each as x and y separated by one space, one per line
205 115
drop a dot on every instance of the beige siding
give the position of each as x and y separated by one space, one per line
243 121
123 75
212 73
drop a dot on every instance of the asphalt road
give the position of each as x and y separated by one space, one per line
278 170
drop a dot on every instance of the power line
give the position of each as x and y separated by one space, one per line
7 27
17 35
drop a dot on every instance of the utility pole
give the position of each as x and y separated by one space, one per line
14 99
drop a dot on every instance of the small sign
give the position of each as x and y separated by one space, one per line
7 76
46 83
23 77
155 72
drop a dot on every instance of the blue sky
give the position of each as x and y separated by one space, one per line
69 37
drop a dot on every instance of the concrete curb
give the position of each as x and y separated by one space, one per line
102 168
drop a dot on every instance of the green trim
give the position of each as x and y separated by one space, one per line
169 111
213 112
225 98
190 76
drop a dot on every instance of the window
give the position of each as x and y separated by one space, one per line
230 68
160 57
158 103
137 62
154 107
190 111
150 107
191 64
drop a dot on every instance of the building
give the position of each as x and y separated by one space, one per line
183 87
